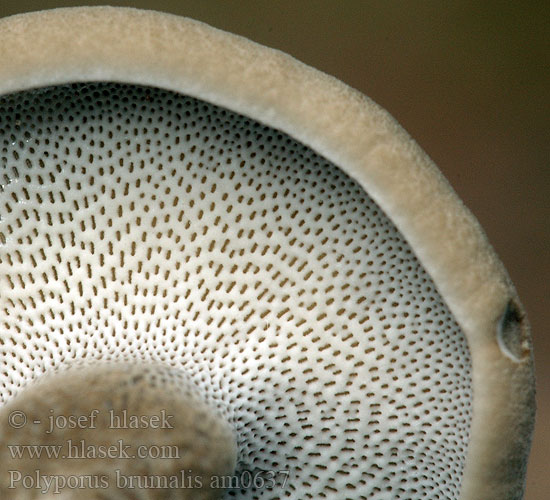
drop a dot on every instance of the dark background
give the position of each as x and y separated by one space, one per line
469 80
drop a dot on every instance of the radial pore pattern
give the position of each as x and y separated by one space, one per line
139 224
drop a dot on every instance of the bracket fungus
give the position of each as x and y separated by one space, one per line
249 263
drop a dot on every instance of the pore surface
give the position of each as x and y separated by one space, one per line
139 224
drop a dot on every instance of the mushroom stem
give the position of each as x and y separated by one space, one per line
102 429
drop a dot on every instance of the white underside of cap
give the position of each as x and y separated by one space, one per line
105 44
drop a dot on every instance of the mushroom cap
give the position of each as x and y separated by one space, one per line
344 129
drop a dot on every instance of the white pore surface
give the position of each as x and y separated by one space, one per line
140 224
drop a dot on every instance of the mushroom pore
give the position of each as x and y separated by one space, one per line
205 233
151 231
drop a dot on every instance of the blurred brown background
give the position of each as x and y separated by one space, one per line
469 80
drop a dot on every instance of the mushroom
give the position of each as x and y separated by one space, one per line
199 228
